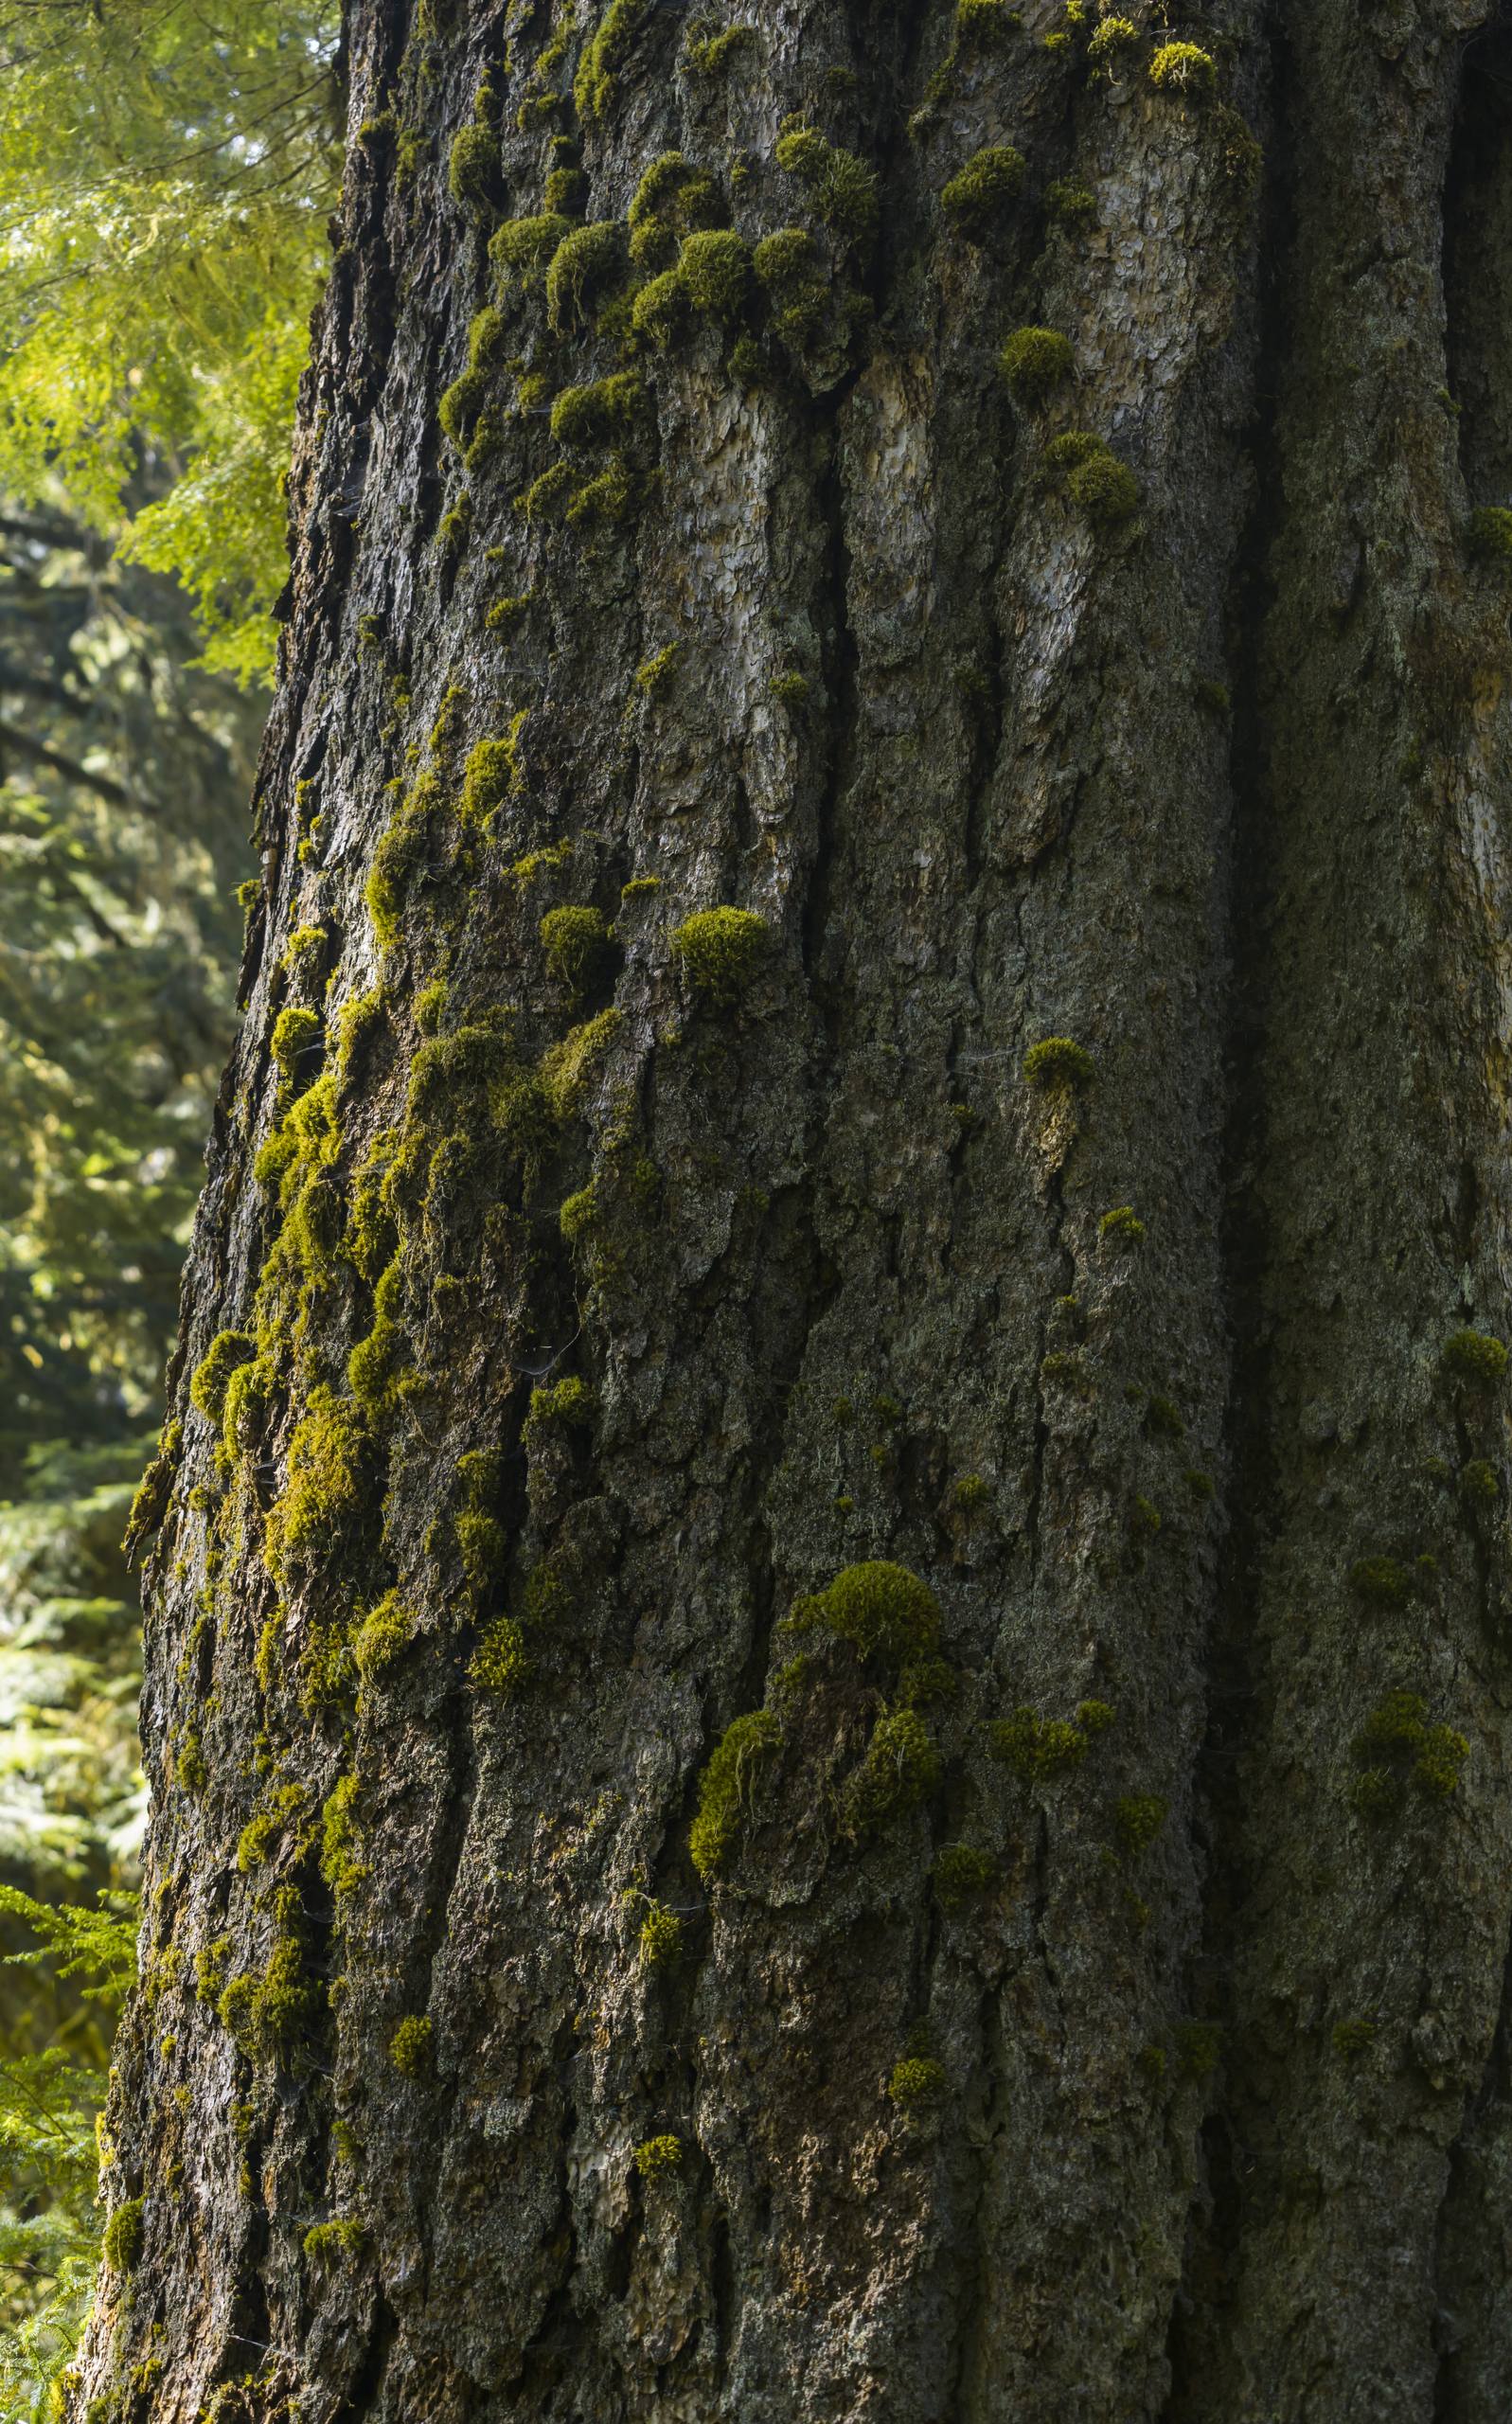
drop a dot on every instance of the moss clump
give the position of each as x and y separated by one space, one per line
605 56
491 775
339 1864
1110 44
1138 1818
841 186
661 1937
658 2158
337 2238
901 1766
264 1828
528 246
597 413
324 1486
1380 1581
605 502
226 1352
296 1032
971 1496
1476 1356
565 1070
1182 67
1039 1748
791 268
501 1662
1478 1485
917 2081
977 199
672 200
587 267
1489 533
264 2014
125 2236
961 1873
714 268
1123 1226
722 952
882 1609
568 1406
1070 202
409 2048
383 1636
983 24
472 169
1093 477
577 946
725 1787
1397 1747
1034 362
1058 1062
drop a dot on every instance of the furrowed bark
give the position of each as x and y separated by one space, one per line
1082 1188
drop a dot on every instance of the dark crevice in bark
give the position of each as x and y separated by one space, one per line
1477 265
1254 974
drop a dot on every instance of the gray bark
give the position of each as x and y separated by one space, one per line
1212 2110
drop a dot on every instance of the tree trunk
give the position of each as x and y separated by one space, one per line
827 1676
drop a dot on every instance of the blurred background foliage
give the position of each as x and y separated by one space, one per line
167 168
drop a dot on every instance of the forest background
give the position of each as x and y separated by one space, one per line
166 171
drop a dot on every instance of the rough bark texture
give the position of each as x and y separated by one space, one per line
1185 2091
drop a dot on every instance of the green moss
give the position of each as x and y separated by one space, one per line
383 1636
841 186
981 25
1489 533
961 1872
1039 1748
265 2014
1093 478
658 2158
714 267
1144 1518
661 309
339 1864
491 775
1199 2042
566 190
1034 362
712 55
602 410
605 57
569 1406
1123 1226
1476 1356
528 246
722 952
507 613
267 1826
587 267
1397 1747
725 1787
226 1351
577 946
1182 67
125 2236
209 1970
606 502
501 1662
791 268
1112 43
672 199
1138 1818
190 1768
882 1610
1058 1062
1478 1484
1163 1418
472 169
356 1023
481 1543
977 199
324 2240
916 2082
409 2048
324 1485
900 1767
661 1937
1380 1581
1070 203
296 1033
971 1496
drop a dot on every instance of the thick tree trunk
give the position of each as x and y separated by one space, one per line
1097 2010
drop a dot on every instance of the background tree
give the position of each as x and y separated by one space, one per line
827 1683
